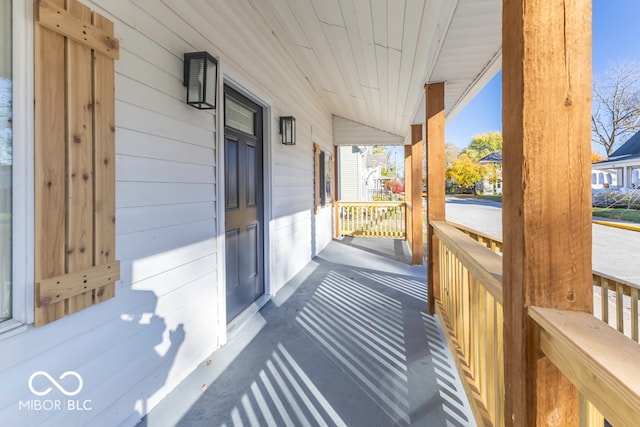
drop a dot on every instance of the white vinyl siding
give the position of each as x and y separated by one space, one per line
166 317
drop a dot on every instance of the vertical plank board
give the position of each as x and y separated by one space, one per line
589 414
546 62
499 361
484 345
79 158
336 186
416 195
466 317
434 96
604 297
491 356
50 141
634 314
407 193
104 164
620 306
475 313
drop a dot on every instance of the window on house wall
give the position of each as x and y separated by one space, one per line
323 177
328 174
6 159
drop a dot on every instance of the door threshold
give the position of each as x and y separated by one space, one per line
236 324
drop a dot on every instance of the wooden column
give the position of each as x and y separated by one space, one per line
336 186
434 95
408 196
416 194
547 197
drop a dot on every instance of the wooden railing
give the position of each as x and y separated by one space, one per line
612 295
599 361
485 240
470 305
620 297
371 219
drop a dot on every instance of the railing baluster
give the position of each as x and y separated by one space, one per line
475 315
483 345
620 307
466 317
634 314
604 293
490 357
499 362
589 415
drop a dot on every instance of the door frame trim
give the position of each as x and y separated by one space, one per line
255 95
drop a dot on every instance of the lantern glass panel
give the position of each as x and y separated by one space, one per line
209 96
288 130
200 74
195 89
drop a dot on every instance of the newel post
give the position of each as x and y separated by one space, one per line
546 67
434 95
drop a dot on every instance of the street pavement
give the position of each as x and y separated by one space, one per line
616 252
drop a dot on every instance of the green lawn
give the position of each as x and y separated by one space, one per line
479 196
621 214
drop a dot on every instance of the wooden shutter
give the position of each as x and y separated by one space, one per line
75 264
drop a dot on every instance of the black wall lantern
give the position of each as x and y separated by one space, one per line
288 130
201 79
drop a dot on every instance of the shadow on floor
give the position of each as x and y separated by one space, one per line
343 344
395 249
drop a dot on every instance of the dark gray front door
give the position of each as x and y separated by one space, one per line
244 201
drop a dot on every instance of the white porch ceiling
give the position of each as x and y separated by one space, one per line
368 60
348 132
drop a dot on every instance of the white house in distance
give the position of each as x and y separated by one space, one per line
621 169
486 186
141 231
358 168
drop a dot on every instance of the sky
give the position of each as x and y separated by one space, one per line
616 37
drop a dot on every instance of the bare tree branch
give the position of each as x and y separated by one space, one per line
616 105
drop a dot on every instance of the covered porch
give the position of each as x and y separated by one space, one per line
348 332
346 342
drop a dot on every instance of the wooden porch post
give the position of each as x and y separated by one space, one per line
416 194
546 47
408 197
434 95
336 187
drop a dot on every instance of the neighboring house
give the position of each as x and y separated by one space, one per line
360 175
352 173
141 232
359 168
492 181
621 169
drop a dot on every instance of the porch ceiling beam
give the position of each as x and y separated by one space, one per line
547 195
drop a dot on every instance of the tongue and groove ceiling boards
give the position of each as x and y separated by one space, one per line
368 60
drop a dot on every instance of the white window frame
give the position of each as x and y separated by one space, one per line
23 172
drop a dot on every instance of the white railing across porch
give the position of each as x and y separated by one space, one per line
371 219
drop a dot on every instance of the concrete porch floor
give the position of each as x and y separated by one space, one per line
346 342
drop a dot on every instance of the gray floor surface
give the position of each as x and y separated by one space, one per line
346 342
